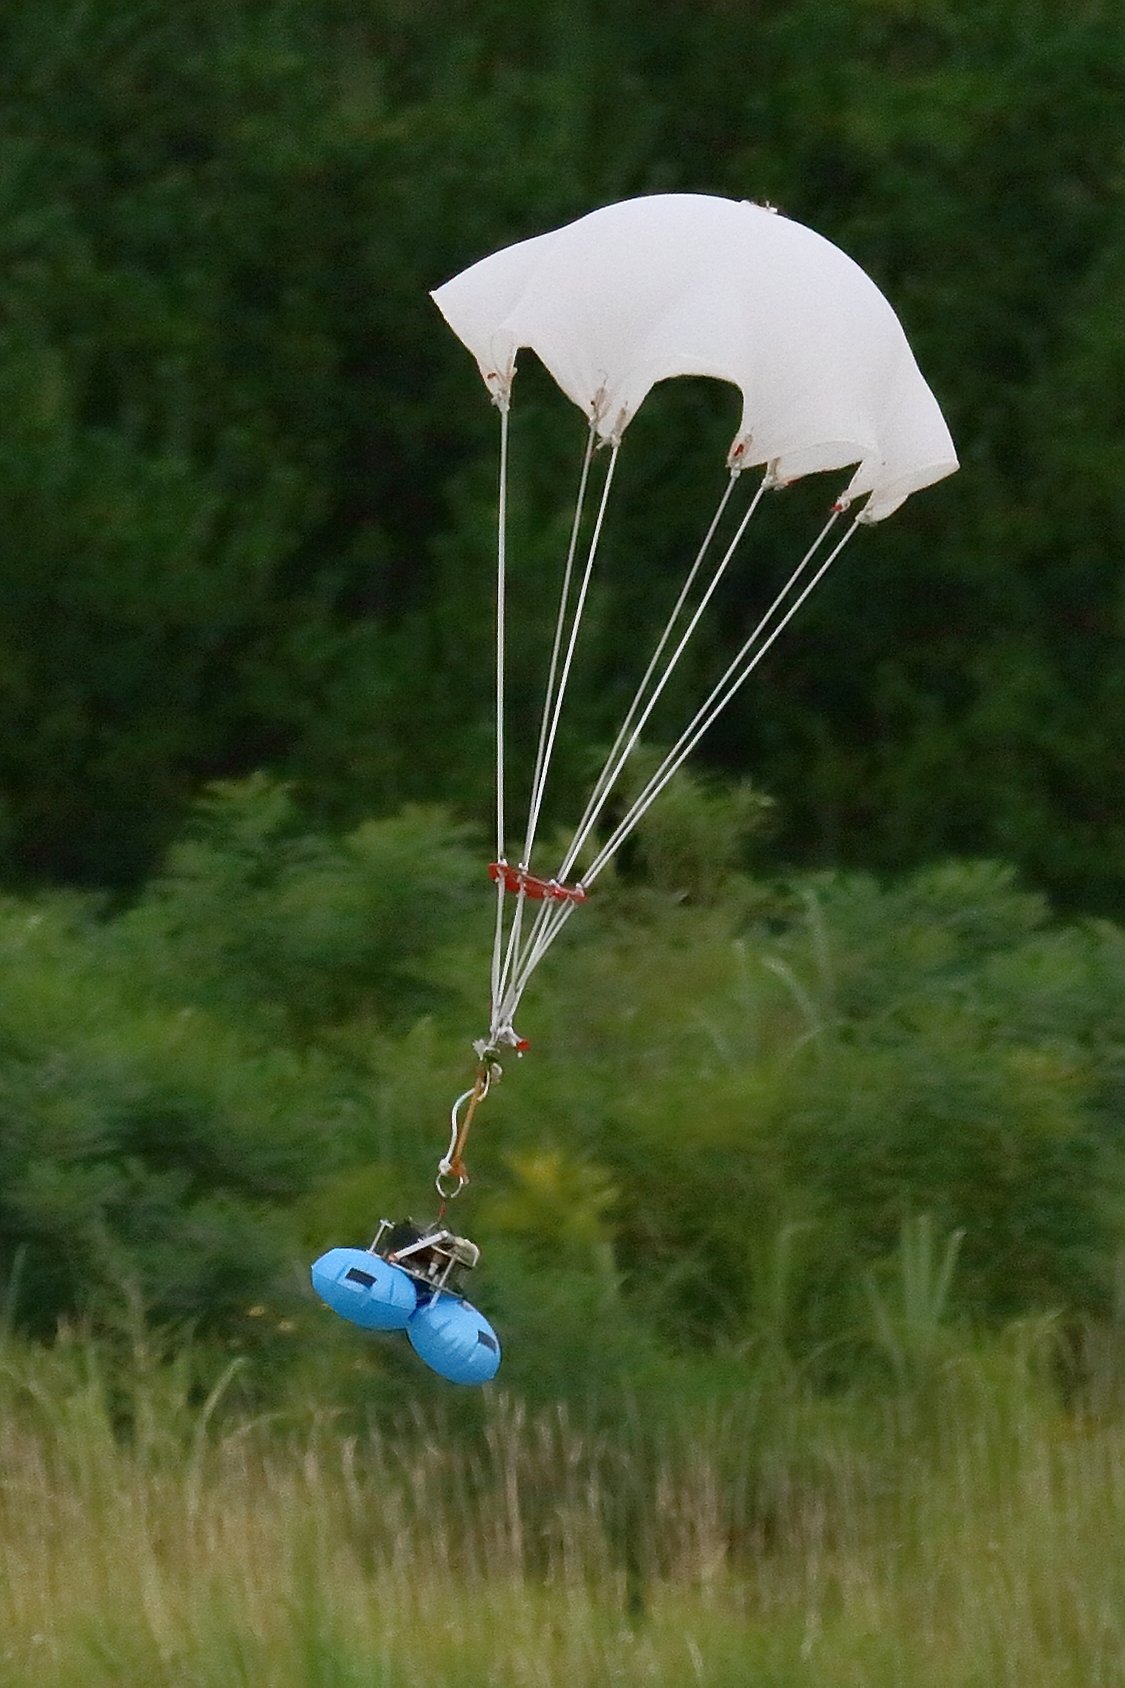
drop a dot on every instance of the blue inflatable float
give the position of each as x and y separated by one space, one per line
455 1340
365 1289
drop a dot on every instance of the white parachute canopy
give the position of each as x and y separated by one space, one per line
689 284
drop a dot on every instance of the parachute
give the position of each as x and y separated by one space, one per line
626 297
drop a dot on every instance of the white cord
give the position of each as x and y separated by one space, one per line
445 1164
637 718
515 955
550 923
736 675
576 620
501 627
541 753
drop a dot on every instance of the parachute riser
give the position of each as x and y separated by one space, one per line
452 1173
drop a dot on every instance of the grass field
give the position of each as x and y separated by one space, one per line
967 1534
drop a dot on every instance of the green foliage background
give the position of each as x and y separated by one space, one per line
245 474
819 1083
743 1101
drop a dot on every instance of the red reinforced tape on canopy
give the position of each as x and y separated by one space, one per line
516 879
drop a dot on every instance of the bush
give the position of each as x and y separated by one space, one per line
734 1111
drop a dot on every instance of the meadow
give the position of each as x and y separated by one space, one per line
962 1528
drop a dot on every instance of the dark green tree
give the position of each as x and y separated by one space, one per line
246 476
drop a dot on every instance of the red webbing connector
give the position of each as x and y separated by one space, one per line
516 879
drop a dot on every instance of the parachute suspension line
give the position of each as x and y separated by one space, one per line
548 719
768 629
612 767
549 923
642 707
568 623
736 675
505 1002
501 639
572 640
497 943
550 918
499 1019
501 626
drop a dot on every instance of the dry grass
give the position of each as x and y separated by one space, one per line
974 1538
